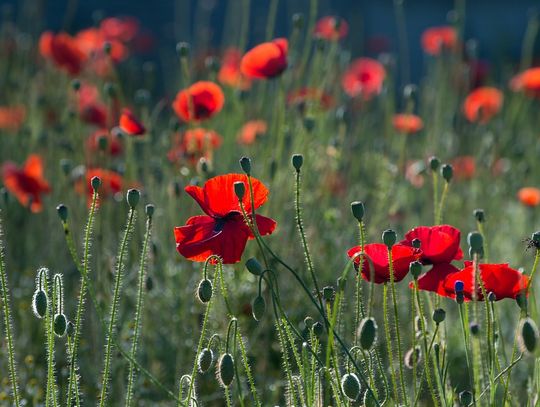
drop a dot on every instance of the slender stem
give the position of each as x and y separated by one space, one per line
389 344
435 179
439 217
271 22
49 331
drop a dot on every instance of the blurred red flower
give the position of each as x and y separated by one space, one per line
464 167
123 29
113 146
194 144
229 73
529 196
435 278
27 184
527 81
200 101
130 125
63 50
12 117
301 96
331 28
407 123
376 254
250 130
364 77
439 244
91 109
222 231
436 39
266 60
482 104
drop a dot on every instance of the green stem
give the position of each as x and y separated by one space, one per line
439 217
271 22
389 344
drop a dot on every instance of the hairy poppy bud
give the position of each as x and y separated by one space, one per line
133 196
318 329
476 242
434 163
298 21
474 328
412 357
389 238
297 161
350 386
205 360
466 398
96 183
492 297
62 212
328 293
528 335
245 163
258 308
479 215
536 238
415 268
254 267
70 329
239 190
447 172
204 291
368 333
39 303
225 369
308 322
182 48
358 210
60 325
149 210
439 315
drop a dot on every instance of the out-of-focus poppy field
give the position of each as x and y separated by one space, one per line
269 204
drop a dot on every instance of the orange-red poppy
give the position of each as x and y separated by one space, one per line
194 144
436 39
529 196
229 73
130 125
464 167
200 101
364 78
63 50
301 96
123 29
91 109
482 104
407 123
527 81
266 60
251 130
331 28
12 117
26 183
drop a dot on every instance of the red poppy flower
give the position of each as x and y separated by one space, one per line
331 28
130 125
482 104
91 109
250 130
113 144
111 183
92 42
229 73
63 50
464 167
529 196
500 279
200 101
12 117
527 81
44 45
376 254
195 144
436 39
364 77
123 29
222 231
439 244
435 278
266 60
301 96
407 123
26 183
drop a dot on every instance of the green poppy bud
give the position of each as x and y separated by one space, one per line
133 197
245 163
258 308
358 210
225 369
350 386
479 215
434 163
447 172
96 183
412 357
240 190
40 303
522 301
204 291
149 210
60 325
368 333
389 238
297 161
415 268
254 267
476 241
528 335
328 293
439 315
62 211
205 360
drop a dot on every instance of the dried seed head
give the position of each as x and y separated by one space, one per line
368 333
204 291
415 268
225 370
205 360
350 386
528 336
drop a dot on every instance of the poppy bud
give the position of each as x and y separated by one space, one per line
308 322
96 183
389 238
328 293
62 212
40 303
439 315
434 163
133 196
203 165
350 386
212 64
149 210
358 210
474 328
368 333
492 297
102 142
412 357
245 163
60 325
297 161
416 243
149 283
109 89
75 84
437 349
479 215
459 286
528 337
466 398
369 400
254 267
447 172
204 291
318 329
182 49
298 21
205 360
476 242
70 329
415 268
225 371
536 238
239 190
258 308
522 301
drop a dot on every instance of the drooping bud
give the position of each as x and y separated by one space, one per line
245 163
297 161
318 329
350 386
240 190
39 303
225 370
254 267
133 197
204 291
528 335
358 210
389 238
60 325
205 360
439 315
70 329
258 308
62 211
447 172
465 398
368 333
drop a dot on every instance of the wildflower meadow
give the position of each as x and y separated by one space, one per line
288 213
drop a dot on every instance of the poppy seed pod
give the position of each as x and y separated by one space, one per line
479 215
245 163
358 210
182 49
416 243
254 267
368 333
225 370
205 360
447 172
62 211
528 335
350 386
439 315
415 268
297 161
96 183
389 238
536 238
60 325
258 308
476 242
133 197
328 293
412 357
466 398
204 291
149 210
39 303
239 190
434 163
474 328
